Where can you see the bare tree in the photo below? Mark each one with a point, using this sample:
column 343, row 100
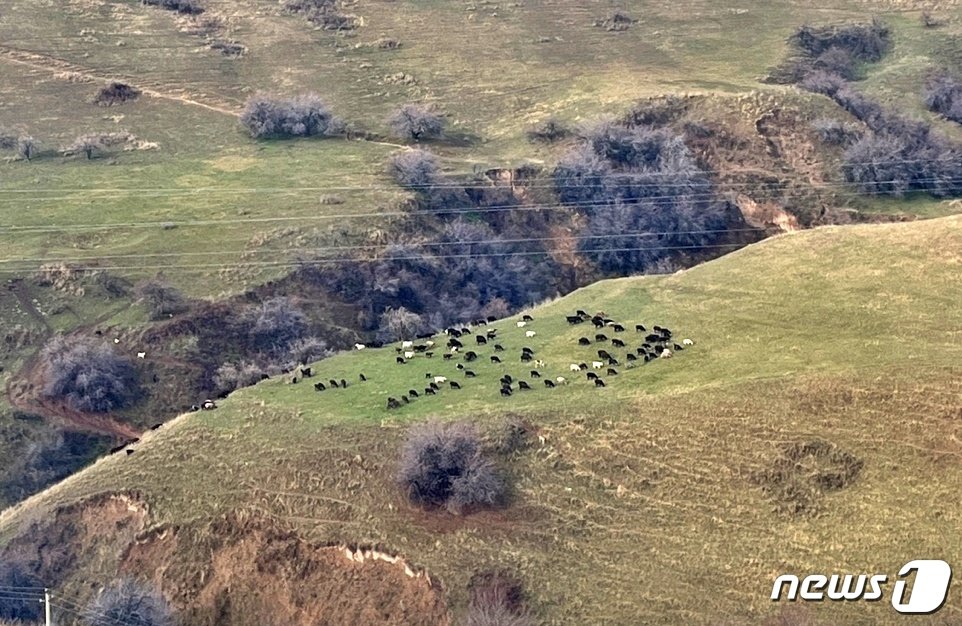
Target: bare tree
column 399, row 323
column 417, row 122
column 27, row 147
column 127, row 601
column 88, row 145
column 304, row 115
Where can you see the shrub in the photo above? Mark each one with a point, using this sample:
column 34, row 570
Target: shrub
column 497, row 599
column 306, row 115
column 87, row 145
column 232, row 376
column 443, row 465
column 398, row 324
column 14, row 575
column 943, row 95
column 90, row 377
column 835, row 132
column 116, row 93
column 581, row 176
column 864, row 42
column 275, row 325
column 8, row 139
column 187, row 7
column 308, row 349
column 161, row 299
column 127, row 601
column 549, row 130
column 825, row 83
column 416, row 122
column 27, row 147
column 415, row 169
column 837, row 61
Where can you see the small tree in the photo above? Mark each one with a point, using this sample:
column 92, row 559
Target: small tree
column 417, row 122
column 415, row 169
column 90, row 377
column 276, row 325
column 27, row 147
column 127, row 601
column 88, row 145
column 399, row 323
column 162, row 299
column 444, row 465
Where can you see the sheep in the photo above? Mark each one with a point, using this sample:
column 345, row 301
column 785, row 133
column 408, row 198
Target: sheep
column 535, row 374
column 548, row 384
column 141, row 355
column 529, row 334
column 618, row 343
column 665, row 354
column 481, row 340
column 469, row 374
column 601, row 337
column 599, row 382
column 409, row 354
column 495, row 359
column 574, row 367
column 116, row 340
column 618, row 328
column 523, row 385
column 584, row 341
column 319, row 387
column 454, row 385
column 407, row 344
column 687, row 342
column 359, row 346
column 522, row 324
column 597, row 365
column 612, row 371
column 561, row 380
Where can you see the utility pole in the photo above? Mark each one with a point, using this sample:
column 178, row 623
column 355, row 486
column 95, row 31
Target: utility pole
column 46, row 606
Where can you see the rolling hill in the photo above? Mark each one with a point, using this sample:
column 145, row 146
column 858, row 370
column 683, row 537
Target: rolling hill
column 814, row 426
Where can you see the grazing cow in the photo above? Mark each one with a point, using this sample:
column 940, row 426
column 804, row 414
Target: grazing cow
column 526, row 357
column 591, row 376
column 413, row 393
column 599, row 382
column 522, row 324
column 294, row 379
column 612, row 371
column 392, row 403
column 677, row 347
column 581, row 313
column 598, row 322
column 535, row 374
column 141, row 355
column 495, row 359
column 429, row 354
column 573, row 319
column 409, row 355
column 574, row 367
column 470, row 356
column 604, row 354
column 639, row 328
column 492, row 333
column 652, row 338
column 469, row 374
column 405, row 400
column 618, row 343
column 319, row 387
column 631, row 357
column 407, row 344
column 561, row 380
column 428, row 391
column 460, row 366
column 688, row 342
column 597, row 365
column 454, row 332
column 601, row 337
column 618, row 328
column 308, row 372
column 548, row 384
column 527, row 318
column 492, row 318
column 359, row 346
column 465, row 331
column 506, row 379
column 454, row 385
column 582, row 366
column 584, row 341
column 529, row 334
column 481, row 340
column 665, row 354
column 420, row 348
column 613, row 361
column 505, row 391
column 523, row 385
column 657, row 328
column 332, row 383
column 343, row 384
column 498, row 347
column 440, row 379
column 648, row 357
column 454, row 343
column 448, row 357
column 434, row 385
column 481, row 322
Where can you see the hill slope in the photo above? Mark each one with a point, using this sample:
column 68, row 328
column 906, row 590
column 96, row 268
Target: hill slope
column 814, row 426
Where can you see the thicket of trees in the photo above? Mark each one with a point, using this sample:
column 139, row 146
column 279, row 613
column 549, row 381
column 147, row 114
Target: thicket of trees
column 14, row 575
column 445, row 465
column 306, row 115
column 89, row 376
column 46, row 459
column 187, row 7
column 943, row 95
column 836, row 49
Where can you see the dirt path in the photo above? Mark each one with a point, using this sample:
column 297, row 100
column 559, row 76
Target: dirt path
column 59, row 66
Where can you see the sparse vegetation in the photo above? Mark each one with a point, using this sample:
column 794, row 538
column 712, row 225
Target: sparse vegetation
column 161, row 299
column 397, row 324
column 187, row 7
column 14, row 575
column 415, row 169
column 835, row 132
column 267, row 116
column 275, row 326
column 549, row 130
column 943, row 95
column 89, row 377
column 127, row 601
column 27, row 147
column 116, row 93
column 87, row 145
column 444, row 465
column 417, row 122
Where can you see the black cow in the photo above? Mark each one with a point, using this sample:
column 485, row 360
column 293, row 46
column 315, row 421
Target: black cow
column 460, row 366
column 429, row 391
column 481, row 339
column 469, row 374
column 612, row 371
column 495, row 359
column 333, row 383
column 428, row 375
column 548, row 383
column 639, row 328
column 581, row 313
column 507, row 379
column 454, row 343
column 653, row 338
column 527, row 349
column 526, row 357
column 429, row 354
column 470, row 356
column 362, row 377
column 591, row 376
column 584, row 341
column 618, row 343
column 631, row 357
column 405, row 400
column 505, row 391
column 527, row 318
column 573, row 319
column 454, row 385
column 498, row 347
column 535, row 374
column 492, row 318
column 598, row 322
column 603, row 354
column 618, row 328
column 433, row 385
column 400, row 360
column 613, row 361
column 156, row 426
column 523, row 385
column 307, row 371
column 599, row 382
column 448, row 356
column 392, row 403
column 492, row 333
column 677, row 347
column 413, row 393
column 583, row 366
column 343, row 384
column 601, row 337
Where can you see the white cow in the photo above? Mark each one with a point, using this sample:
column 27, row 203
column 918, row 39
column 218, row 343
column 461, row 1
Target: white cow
column 429, row 344
column 561, row 380
column 597, row 365
column 141, row 355
column 407, row 344
column 522, row 324
column 529, row 334
column 408, row 355
column 574, row 367
column 440, row 379
column 665, row 354
column 359, row 346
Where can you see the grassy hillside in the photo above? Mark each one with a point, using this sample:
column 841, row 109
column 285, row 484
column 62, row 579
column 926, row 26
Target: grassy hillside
column 813, row 427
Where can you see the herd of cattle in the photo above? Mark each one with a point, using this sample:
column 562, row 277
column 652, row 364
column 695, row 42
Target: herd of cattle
column 464, row 347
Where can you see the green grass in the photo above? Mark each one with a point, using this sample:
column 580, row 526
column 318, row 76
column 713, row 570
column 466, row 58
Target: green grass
column 641, row 503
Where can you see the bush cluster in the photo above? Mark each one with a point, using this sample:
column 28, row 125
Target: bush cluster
column 89, row 376
column 127, row 601
column 306, row 115
column 416, row 122
column 943, row 95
